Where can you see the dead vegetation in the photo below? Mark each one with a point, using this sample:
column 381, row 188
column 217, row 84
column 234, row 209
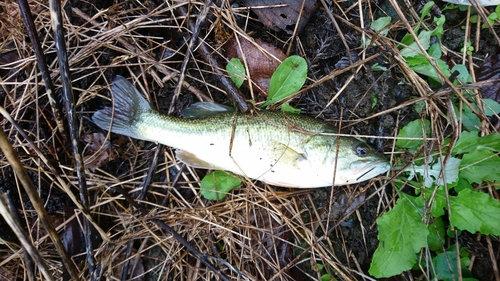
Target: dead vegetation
column 148, row 219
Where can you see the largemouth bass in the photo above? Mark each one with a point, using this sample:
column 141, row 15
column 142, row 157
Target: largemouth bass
column 286, row 150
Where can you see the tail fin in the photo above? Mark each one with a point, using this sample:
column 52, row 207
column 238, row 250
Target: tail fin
column 128, row 104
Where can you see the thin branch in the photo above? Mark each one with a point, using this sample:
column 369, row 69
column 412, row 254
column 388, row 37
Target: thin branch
column 56, row 17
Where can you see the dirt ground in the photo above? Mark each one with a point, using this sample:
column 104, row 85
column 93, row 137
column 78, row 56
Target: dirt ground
column 259, row 231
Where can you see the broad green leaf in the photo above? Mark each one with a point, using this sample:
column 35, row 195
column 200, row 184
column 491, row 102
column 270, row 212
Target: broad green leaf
column 475, row 212
column 436, row 236
column 435, row 51
column 412, row 50
column 215, row 185
column 446, row 269
column 414, row 129
column 442, row 264
column 479, row 166
column 406, row 41
column 236, row 71
column 420, row 64
column 469, row 119
column 491, row 107
column 417, row 60
column 380, row 25
column 470, row 141
column 287, row 80
column 463, row 75
column 401, row 235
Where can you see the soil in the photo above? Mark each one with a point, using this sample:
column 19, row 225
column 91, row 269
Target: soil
column 365, row 93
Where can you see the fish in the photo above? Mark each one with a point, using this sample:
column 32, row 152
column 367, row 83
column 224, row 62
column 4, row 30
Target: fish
column 280, row 149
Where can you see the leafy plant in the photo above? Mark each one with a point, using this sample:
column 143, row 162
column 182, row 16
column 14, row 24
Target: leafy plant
column 416, row 222
column 412, row 53
column 492, row 18
column 468, row 48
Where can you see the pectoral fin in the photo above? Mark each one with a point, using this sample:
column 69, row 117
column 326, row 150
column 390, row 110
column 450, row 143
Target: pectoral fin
column 284, row 154
column 193, row 161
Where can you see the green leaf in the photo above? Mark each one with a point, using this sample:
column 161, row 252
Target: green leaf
column 236, row 71
column 431, row 173
column 468, row 117
column 439, row 22
column 215, row 185
column 327, row 277
column 287, row 80
column 401, row 235
column 414, row 129
column 286, row 107
column 439, row 203
column 412, row 50
column 426, row 10
column 463, row 75
column 423, row 13
column 420, row 64
column 446, row 269
column 436, row 236
column 470, row 141
column 491, row 107
column 377, row 67
column 380, row 25
column 406, row 41
column 435, row 51
column 479, row 166
column 475, row 212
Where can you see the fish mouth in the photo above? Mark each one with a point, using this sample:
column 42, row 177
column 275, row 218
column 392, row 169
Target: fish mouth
column 372, row 170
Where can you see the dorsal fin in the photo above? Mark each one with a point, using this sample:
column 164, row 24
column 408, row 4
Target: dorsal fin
column 205, row 109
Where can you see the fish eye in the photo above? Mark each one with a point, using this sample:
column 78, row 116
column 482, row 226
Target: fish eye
column 361, row 149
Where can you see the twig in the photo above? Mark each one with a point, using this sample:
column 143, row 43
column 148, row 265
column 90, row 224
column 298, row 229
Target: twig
column 42, row 64
column 69, row 104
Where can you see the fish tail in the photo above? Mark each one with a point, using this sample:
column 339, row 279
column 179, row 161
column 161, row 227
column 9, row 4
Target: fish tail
column 128, row 105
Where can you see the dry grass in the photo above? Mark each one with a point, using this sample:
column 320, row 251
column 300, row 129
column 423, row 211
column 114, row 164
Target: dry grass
column 248, row 236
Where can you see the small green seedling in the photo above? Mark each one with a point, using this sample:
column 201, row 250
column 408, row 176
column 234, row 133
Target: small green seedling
column 215, row 185
column 236, row 71
column 287, row 80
